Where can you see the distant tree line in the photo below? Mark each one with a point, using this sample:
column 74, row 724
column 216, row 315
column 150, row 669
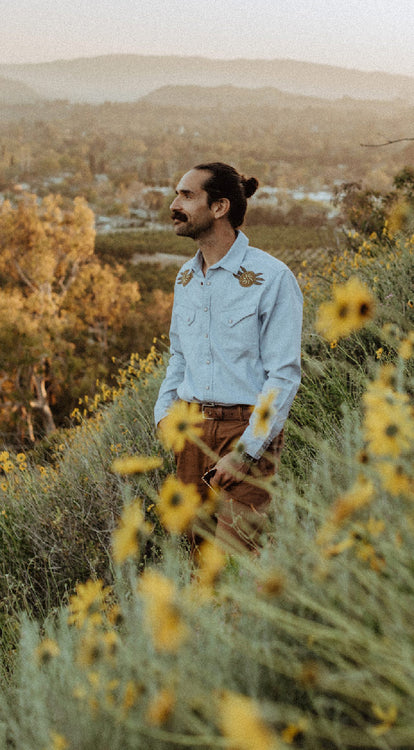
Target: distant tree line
column 139, row 144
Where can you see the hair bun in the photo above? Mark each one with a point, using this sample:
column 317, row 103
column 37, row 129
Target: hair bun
column 250, row 185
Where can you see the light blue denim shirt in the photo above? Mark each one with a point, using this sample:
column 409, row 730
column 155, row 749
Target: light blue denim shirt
column 235, row 334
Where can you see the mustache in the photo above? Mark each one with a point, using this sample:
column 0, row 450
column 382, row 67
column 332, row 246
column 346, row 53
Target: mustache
column 178, row 215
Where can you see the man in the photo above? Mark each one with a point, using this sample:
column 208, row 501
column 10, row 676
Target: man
column 235, row 341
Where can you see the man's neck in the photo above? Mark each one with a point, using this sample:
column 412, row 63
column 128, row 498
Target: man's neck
column 216, row 246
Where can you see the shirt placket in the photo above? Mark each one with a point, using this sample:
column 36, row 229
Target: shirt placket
column 207, row 357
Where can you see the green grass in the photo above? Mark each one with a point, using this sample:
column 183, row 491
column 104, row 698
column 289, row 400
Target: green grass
column 317, row 631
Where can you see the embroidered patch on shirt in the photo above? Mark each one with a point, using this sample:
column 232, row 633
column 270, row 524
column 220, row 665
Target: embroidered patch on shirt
column 248, row 278
column 185, row 277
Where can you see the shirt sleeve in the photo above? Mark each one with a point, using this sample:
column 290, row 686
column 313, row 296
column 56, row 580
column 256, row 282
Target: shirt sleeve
column 280, row 346
column 174, row 374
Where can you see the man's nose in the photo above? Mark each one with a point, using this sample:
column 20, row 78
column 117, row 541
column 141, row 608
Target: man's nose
column 174, row 203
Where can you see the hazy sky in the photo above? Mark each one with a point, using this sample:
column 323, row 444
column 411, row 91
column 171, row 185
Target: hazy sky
column 364, row 34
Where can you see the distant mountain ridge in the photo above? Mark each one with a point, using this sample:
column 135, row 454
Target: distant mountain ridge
column 122, row 78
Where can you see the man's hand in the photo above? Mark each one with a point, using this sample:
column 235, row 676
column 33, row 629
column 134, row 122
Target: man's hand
column 229, row 469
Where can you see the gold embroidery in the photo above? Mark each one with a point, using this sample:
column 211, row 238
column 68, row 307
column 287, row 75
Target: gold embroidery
column 248, row 278
column 185, row 277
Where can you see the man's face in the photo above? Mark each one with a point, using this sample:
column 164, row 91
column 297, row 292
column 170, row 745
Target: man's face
column 190, row 212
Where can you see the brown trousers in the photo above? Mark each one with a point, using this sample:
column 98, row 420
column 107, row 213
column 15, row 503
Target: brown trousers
column 241, row 510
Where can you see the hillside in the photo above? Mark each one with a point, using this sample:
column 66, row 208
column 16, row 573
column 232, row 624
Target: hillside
column 112, row 635
column 129, row 77
column 15, row 92
column 227, row 97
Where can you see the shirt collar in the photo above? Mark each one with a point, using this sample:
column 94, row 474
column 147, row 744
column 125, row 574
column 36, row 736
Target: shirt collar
column 233, row 258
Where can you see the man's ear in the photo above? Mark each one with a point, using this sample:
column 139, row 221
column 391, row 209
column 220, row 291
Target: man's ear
column 220, row 207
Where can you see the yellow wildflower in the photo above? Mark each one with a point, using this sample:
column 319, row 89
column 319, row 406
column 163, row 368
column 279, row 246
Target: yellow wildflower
column 387, row 718
column 131, row 694
column 263, row 413
column 90, row 649
column 95, row 645
column 351, row 308
column 360, row 494
column 395, row 479
column 21, row 458
column 388, row 423
column 114, row 615
column 125, row 538
column 242, row 725
column 161, row 707
column 178, row 504
column 46, row 650
column 58, row 741
column 136, row 464
column 387, row 376
column 182, row 423
column 406, row 349
column 163, row 619
column 291, row 732
column 211, row 561
column 375, row 527
column 398, row 216
column 366, row 552
column 336, row 549
column 88, row 603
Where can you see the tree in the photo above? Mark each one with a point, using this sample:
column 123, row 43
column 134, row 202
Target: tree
column 363, row 210
column 100, row 301
column 404, row 182
column 42, row 249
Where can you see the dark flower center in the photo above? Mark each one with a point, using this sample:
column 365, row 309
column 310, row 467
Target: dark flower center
column 392, row 430
column 364, row 310
column 176, row 499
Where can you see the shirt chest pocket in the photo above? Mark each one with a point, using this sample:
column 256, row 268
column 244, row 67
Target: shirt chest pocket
column 239, row 326
column 186, row 322
column 186, row 315
column 241, row 316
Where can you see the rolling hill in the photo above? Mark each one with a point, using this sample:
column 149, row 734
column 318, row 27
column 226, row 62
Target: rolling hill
column 122, row 78
column 15, row 92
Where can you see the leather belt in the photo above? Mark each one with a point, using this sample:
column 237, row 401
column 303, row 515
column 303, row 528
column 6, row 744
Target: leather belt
column 221, row 412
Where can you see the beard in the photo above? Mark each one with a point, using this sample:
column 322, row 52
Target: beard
column 193, row 229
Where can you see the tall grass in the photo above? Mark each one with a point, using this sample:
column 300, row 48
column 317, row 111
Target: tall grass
column 309, row 644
